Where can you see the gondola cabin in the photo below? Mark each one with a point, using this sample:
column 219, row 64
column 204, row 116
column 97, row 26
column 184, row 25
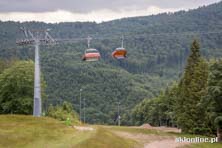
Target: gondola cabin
column 91, row 55
column 119, row 53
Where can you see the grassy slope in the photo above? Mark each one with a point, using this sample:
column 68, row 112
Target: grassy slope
column 27, row 131
column 106, row 139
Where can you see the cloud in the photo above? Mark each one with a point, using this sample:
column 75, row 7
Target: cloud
column 86, row 6
column 66, row 16
column 89, row 10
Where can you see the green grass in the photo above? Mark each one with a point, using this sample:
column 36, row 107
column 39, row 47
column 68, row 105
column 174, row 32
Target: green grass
column 22, row 131
column 27, row 131
column 103, row 138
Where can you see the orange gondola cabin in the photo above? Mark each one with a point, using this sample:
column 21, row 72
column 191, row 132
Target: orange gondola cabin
column 91, row 55
column 119, row 53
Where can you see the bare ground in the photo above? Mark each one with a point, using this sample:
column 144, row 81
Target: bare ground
column 167, row 143
column 152, row 140
column 162, row 128
column 83, row 128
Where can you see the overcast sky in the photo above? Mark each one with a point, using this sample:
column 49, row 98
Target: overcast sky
column 90, row 10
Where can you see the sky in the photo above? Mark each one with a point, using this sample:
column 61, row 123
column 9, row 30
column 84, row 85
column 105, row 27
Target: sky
column 54, row 11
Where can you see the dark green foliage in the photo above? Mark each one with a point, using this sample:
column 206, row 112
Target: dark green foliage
column 218, row 122
column 63, row 112
column 157, row 111
column 103, row 85
column 192, row 87
column 202, row 131
column 215, row 86
column 16, row 88
column 215, row 97
column 181, row 105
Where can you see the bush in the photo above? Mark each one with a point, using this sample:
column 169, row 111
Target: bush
column 218, row 122
column 63, row 112
column 16, row 88
column 202, row 131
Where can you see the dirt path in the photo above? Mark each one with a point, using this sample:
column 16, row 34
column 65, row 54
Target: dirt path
column 140, row 138
column 162, row 128
column 152, row 140
column 83, row 128
column 167, row 143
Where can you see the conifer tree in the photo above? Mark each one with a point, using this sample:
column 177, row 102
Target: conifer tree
column 215, row 96
column 192, row 88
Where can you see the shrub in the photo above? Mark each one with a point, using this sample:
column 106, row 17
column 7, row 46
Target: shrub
column 202, row 131
column 218, row 122
column 63, row 112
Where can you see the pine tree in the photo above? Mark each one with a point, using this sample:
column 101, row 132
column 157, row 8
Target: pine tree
column 192, row 88
column 215, row 96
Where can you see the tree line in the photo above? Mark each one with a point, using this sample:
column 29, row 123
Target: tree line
column 194, row 103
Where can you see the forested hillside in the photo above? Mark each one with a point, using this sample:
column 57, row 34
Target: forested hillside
column 157, row 47
column 193, row 104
